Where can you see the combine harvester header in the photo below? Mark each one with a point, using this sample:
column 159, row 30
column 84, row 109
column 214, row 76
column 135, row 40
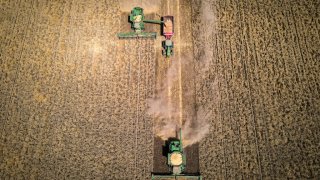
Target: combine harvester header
column 176, row 161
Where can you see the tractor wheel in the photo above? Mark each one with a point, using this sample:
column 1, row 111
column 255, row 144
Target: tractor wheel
column 163, row 52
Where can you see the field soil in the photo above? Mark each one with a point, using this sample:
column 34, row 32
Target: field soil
column 74, row 98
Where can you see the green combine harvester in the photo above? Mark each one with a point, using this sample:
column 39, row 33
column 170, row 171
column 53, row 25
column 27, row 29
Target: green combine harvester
column 176, row 161
column 137, row 21
column 136, row 18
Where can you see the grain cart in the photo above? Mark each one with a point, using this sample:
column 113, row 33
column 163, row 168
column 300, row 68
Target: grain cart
column 176, row 161
column 137, row 21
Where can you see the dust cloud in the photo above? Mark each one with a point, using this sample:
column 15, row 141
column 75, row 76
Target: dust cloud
column 194, row 130
column 149, row 6
column 207, row 24
column 167, row 114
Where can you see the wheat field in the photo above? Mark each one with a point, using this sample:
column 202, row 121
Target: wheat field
column 74, row 98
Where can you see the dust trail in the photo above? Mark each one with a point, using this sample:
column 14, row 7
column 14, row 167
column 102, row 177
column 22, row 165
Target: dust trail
column 169, row 93
column 149, row 6
column 168, row 115
column 208, row 25
column 198, row 127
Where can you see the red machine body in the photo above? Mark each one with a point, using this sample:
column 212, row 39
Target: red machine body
column 168, row 27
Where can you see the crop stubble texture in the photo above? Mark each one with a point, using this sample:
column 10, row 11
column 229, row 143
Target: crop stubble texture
column 73, row 97
column 262, row 89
